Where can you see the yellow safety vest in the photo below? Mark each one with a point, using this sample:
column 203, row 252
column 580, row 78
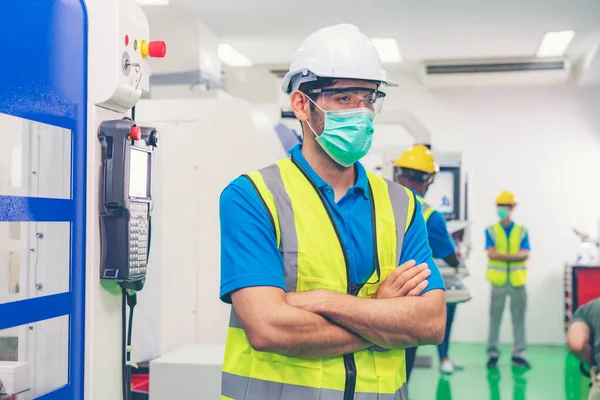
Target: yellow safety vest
column 308, row 240
column 500, row 272
column 426, row 209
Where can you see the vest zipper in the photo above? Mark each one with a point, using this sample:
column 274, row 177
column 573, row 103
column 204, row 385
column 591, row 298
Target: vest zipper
column 374, row 234
column 349, row 362
column 357, row 287
column 507, row 252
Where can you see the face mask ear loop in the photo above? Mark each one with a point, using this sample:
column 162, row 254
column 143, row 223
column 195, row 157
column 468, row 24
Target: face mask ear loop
column 316, row 105
column 308, row 123
column 311, row 128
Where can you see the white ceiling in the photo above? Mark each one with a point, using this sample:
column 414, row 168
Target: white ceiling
column 268, row 31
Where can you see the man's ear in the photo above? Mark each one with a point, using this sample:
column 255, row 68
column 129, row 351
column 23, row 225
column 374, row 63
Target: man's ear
column 300, row 105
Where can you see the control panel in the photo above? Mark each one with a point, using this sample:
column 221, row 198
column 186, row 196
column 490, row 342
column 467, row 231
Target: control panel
column 119, row 65
column 127, row 201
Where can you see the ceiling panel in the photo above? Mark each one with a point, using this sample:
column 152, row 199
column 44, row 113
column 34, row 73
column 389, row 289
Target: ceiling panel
column 268, row 31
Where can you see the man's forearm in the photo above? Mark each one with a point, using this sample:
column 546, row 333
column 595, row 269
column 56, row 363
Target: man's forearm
column 521, row 256
column 390, row 323
column 302, row 334
column 585, row 356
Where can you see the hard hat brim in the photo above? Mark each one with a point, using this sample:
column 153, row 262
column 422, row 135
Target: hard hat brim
column 286, row 84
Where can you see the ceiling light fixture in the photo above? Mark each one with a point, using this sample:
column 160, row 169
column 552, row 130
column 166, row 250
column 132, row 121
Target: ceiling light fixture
column 230, row 56
column 153, row 2
column 554, row 44
column 388, row 50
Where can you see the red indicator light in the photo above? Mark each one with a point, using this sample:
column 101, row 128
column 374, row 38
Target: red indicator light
column 126, row 40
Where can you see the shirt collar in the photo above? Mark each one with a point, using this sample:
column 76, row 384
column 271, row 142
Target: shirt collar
column 509, row 226
column 361, row 184
column 417, row 193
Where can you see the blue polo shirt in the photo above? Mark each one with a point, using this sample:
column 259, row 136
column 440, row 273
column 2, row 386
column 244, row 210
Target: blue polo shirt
column 489, row 242
column 249, row 252
column 440, row 241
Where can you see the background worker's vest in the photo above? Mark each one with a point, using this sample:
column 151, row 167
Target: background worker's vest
column 499, row 272
column 426, row 209
column 314, row 258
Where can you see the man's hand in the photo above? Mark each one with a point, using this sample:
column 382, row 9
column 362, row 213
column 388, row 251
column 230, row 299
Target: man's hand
column 406, row 280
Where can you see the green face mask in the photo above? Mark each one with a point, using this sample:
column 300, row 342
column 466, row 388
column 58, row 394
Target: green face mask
column 347, row 134
column 502, row 213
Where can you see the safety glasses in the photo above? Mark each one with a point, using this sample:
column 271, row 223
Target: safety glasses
column 350, row 97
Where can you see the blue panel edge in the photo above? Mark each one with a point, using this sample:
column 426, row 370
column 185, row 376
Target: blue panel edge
column 78, row 232
column 62, row 393
column 24, row 209
column 36, row 309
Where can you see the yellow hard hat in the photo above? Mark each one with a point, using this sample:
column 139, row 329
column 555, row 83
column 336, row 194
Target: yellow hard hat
column 505, row 198
column 418, row 158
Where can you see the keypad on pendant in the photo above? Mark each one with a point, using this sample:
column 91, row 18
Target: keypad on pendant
column 138, row 238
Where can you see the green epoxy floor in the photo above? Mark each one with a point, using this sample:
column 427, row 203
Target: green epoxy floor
column 555, row 376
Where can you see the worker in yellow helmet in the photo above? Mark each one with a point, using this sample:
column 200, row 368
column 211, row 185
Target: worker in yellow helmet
column 416, row 169
column 508, row 248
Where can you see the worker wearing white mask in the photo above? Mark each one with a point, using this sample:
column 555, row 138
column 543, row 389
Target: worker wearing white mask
column 508, row 248
column 327, row 266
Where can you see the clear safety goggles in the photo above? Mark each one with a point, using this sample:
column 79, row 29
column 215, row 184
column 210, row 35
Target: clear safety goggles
column 350, row 97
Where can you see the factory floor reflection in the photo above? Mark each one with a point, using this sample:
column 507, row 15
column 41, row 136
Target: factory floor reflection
column 555, row 376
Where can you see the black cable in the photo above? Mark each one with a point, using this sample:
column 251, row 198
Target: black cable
column 129, row 332
column 124, row 341
column 133, row 113
column 131, row 302
column 584, row 370
column 129, row 299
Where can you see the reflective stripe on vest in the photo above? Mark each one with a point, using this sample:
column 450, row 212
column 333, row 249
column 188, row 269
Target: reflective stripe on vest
column 308, row 239
column 499, row 272
column 426, row 209
column 240, row 387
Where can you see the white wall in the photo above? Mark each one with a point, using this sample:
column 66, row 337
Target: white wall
column 541, row 143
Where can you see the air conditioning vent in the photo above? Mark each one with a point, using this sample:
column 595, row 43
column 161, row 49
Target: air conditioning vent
column 496, row 67
column 437, row 74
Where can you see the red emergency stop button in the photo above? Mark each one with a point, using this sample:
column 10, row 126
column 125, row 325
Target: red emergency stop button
column 136, row 133
column 157, row 49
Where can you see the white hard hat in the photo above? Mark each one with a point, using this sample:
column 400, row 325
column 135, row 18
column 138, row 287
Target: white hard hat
column 340, row 51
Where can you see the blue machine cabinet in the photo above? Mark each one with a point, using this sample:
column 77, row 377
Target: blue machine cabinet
column 43, row 78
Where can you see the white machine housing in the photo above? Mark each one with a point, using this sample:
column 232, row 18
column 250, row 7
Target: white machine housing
column 124, row 26
column 14, row 377
column 111, row 93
